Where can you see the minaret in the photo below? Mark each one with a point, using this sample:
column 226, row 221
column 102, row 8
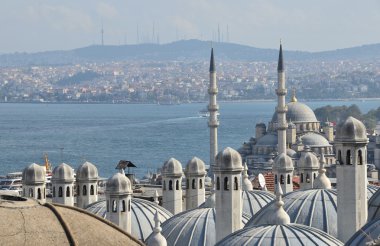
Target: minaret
column 172, row 186
column 156, row 239
column 351, row 171
column 87, row 184
column 281, row 106
column 34, row 182
column 63, row 184
column 228, row 194
column 195, row 179
column 213, row 108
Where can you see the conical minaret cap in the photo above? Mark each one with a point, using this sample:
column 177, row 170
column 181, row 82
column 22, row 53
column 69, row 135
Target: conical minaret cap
column 280, row 65
column 279, row 216
column 322, row 181
column 212, row 62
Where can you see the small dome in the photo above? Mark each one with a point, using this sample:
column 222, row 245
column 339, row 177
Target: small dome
column 25, row 221
column 195, row 167
column 191, row 227
column 119, row 183
column 33, row 175
column 313, row 139
column 298, row 112
column 63, row 173
column 282, row 161
column 172, row 167
column 228, row 160
column 87, row 172
column 269, row 139
column 367, row 235
column 289, row 234
column 143, row 212
column 308, row 160
column 351, row 130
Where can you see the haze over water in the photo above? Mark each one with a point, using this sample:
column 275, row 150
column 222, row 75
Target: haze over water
column 145, row 134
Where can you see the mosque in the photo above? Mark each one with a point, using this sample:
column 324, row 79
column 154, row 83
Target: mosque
column 234, row 213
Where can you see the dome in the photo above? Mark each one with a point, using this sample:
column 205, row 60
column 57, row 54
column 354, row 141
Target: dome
column 33, row 174
column 291, row 153
column 25, row 221
column 195, row 167
column 351, row 130
column 119, row 183
column 313, row 139
column 283, row 161
column 289, row 234
column 298, row 112
column 308, row 160
column 315, row 207
column 87, row 172
column 63, row 173
column 143, row 212
column 255, row 200
column 367, row 235
column 192, row 227
column 373, row 202
column 269, row 139
column 228, row 160
column 172, row 167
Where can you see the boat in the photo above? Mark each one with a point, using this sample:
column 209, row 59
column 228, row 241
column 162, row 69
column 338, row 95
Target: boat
column 11, row 184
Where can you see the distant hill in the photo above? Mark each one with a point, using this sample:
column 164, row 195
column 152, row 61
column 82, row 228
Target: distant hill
column 180, row 50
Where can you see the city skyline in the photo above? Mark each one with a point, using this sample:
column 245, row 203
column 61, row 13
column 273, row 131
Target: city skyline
column 308, row 26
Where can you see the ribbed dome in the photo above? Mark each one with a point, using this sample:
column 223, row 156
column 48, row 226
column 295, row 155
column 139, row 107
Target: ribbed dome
column 373, row 203
column 63, row 173
column 351, row 130
column 372, row 189
column 26, row 222
column 255, row 200
column 119, row 184
column 269, row 139
column 172, row 167
column 367, row 235
column 313, row 139
column 289, row 234
column 33, row 175
column 282, row 161
column 195, row 167
column 143, row 212
column 308, row 160
column 298, row 112
column 192, row 227
column 87, row 171
column 228, row 160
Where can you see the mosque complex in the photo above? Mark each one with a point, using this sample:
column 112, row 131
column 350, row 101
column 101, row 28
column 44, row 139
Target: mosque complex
column 319, row 172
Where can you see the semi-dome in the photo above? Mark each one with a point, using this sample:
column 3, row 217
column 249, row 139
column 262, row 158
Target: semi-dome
column 143, row 212
column 87, row 171
column 269, row 139
column 255, row 200
column 282, row 161
column 172, row 167
column 25, row 221
column 298, row 112
column 313, row 139
column 288, row 234
column 33, row 174
column 308, row 160
column 369, row 234
column 351, row 130
column 195, row 167
column 119, row 183
column 228, row 160
column 63, row 173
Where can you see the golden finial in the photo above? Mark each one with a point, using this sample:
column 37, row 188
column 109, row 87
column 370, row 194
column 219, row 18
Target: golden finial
column 294, row 99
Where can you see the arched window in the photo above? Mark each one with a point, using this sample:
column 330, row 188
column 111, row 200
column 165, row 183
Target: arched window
column 54, row 191
column 340, row 157
column 164, row 185
column 314, row 176
column 307, row 178
column 226, row 184
column 60, row 191
column 282, row 181
column 78, row 190
column 187, row 184
column 200, row 184
column 123, row 206
column 177, row 185
column 236, row 184
column 348, row 157
column 129, row 205
column 217, row 183
column 170, row 184
column 275, row 179
column 114, row 206
column 30, row 192
column 68, row 191
column 38, row 193
column 193, row 184
column 288, row 179
column 92, row 192
column 301, row 177
column 84, row 190
column 360, row 157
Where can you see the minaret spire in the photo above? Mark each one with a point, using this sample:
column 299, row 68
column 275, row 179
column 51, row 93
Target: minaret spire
column 280, row 65
column 213, row 108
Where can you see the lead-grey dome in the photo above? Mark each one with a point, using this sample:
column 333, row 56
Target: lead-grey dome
column 195, row 167
column 371, row 190
column 351, row 130
column 308, row 160
column 313, row 139
column 143, row 212
column 119, row 184
column 172, row 167
column 63, row 173
column 282, row 161
column 269, row 139
column 87, row 172
column 298, row 112
column 228, row 160
column 373, row 203
column 289, row 234
column 255, row 200
column 33, row 175
column 369, row 234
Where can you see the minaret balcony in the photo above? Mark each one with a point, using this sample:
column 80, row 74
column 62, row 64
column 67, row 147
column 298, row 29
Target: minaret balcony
column 213, row 123
column 282, row 126
column 213, row 107
column 281, row 92
column 282, row 110
column 213, row 91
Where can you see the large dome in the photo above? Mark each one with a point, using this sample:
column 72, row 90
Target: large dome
column 27, row 222
column 142, row 215
column 368, row 235
column 289, row 234
column 298, row 112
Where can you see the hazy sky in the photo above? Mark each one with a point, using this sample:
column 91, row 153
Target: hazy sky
column 310, row 25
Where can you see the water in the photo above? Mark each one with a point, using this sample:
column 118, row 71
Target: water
column 103, row 134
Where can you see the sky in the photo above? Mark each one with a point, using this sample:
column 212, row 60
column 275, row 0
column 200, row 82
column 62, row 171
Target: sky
column 307, row 25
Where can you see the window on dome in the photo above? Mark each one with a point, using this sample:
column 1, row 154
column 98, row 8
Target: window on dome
column 187, row 184
column 315, row 176
column 301, row 177
column 129, row 205
column 92, row 192
column 38, row 193
column 226, row 184
column 68, row 191
column 78, row 190
column 200, row 184
column 114, row 206
column 123, row 206
column 53, row 191
column 44, row 192
column 30, row 192
column 164, row 185
column 170, row 185
column 84, row 190
column 108, row 206
column 340, row 157
column 282, row 181
column 60, row 192
column 275, row 179
column 288, row 179
column 193, row 184
column 307, row 178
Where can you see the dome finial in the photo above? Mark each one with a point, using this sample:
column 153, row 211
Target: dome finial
column 247, row 185
column 156, row 239
column 322, row 181
column 293, row 99
column 155, row 197
column 279, row 217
